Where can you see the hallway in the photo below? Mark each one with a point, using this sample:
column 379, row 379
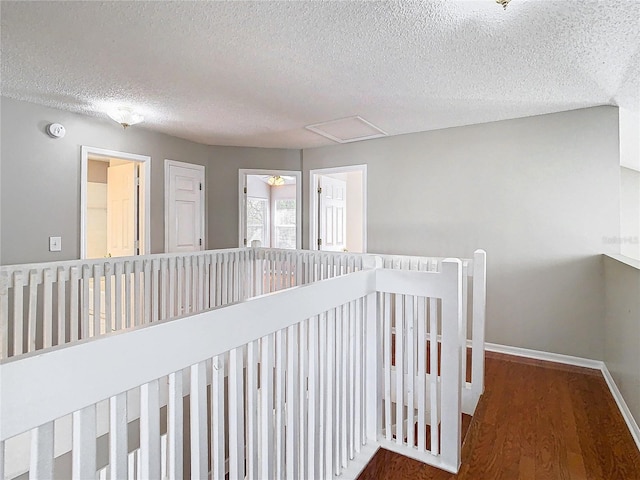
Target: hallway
column 536, row 421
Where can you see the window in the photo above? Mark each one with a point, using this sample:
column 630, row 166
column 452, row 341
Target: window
column 257, row 221
column 285, row 223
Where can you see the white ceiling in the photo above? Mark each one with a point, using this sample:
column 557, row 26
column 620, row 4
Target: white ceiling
column 255, row 73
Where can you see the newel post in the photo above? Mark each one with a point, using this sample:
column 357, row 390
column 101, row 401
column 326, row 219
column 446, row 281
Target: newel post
column 373, row 357
column 451, row 369
column 479, row 312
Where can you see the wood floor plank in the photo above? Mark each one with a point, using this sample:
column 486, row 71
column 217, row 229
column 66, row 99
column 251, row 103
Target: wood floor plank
column 536, row 420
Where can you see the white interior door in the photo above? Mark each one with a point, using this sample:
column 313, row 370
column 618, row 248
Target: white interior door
column 185, row 207
column 122, row 210
column 332, row 203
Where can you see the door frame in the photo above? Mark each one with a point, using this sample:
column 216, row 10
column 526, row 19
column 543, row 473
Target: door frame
column 242, row 176
column 194, row 166
column 313, row 200
column 144, row 203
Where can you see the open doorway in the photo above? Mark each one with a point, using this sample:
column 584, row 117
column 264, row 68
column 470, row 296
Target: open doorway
column 338, row 209
column 270, row 208
column 114, row 203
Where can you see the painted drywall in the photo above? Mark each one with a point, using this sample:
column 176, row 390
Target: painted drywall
column 622, row 330
column 629, row 238
column 630, row 138
column 41, row 178
column 539, row 194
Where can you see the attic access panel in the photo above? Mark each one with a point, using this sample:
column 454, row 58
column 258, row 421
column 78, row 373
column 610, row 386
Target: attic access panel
column 345, row 130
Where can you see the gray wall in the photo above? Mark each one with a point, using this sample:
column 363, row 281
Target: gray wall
column 630, row 212
column 539, row 194
column 622, row 331
column 40, row 191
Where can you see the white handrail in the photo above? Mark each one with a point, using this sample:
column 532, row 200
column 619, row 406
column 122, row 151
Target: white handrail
column 69, row 377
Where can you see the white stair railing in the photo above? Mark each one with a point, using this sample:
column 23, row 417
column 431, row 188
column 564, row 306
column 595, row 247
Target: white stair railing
column 304, row 395
column 47, row 304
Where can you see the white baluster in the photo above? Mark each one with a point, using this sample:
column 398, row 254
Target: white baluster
column 181, row 269
column 155, row 290
column 96, row 300
column 315, row 430
column 150, row 430
column 253, row 451
column 62, row 300
column 41, row 464
column 279, row 402
column 47, row 311
column 119, row 272
column 266, row 407
column 108, row 298
column 165, row 291
column 85, row 300
column 74, row 334
column 236, row 414
column 33, row 310
column 4, row 317
column 137, row 293
column 218, row 434
column 128, row 294
column 422, row 371
column 303, row 369
column 147, row 282
column 83, row 454
column 399, row 354
column 386, row 308
column 433, row 374
column 198, row 420
column 409, row 388
column 118, row 444
column 174, row 426
column 173, row 287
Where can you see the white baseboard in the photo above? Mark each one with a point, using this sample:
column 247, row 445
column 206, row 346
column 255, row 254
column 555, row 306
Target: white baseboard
column 546, row 356
column 622, row 405
column 579, row 362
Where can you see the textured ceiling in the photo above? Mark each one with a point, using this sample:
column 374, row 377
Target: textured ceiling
column 255, row 73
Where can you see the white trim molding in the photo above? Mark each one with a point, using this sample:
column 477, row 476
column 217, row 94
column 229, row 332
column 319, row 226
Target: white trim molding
column 632, row 262
column 622, row 405
column 578, row 362
column 546, row 356
column 145, row 183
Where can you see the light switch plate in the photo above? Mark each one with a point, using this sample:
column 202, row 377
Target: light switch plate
column 55, row 244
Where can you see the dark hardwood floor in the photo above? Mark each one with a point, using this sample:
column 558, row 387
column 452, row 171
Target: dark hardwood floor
column 536, row 421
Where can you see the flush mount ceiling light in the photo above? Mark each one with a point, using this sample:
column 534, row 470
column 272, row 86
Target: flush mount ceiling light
column 275, row 180
column 345, row 130
column 125, row 116
column 504, row 3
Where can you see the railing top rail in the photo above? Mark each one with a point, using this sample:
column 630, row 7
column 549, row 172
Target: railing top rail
column 8, row 269
column 101, row 261
column 69, row 377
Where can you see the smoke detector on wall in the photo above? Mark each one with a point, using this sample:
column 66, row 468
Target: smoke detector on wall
column 56, row 130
